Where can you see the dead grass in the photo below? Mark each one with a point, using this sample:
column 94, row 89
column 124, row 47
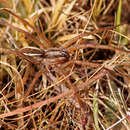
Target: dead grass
column 90, row 90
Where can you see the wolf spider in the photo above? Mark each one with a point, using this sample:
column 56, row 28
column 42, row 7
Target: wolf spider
column 58, row 59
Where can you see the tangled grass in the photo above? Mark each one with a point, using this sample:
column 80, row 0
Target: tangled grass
column 90, row 90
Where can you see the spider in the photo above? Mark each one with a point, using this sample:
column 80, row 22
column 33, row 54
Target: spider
column 58, row 58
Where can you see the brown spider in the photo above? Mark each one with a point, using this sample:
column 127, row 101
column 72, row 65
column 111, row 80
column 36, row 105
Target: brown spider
column 58, row 56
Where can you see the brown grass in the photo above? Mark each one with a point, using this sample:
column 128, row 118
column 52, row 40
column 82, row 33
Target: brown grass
column 87, row 90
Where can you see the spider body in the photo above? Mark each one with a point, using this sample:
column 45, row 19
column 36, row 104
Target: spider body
column 48, row 56
column 54, row 56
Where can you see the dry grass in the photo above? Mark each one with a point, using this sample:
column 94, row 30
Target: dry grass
column 89, row 90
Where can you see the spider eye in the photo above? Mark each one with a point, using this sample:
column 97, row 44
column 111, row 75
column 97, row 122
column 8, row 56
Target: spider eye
column 64, row 54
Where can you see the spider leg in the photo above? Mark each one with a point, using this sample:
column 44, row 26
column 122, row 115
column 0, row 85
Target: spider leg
column 80, row 36
column 96, row 46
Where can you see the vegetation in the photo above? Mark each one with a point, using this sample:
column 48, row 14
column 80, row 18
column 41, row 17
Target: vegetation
column 64, row 64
